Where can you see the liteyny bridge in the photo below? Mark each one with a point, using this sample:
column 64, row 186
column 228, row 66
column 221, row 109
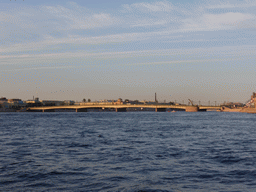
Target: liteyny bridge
column 122, row 107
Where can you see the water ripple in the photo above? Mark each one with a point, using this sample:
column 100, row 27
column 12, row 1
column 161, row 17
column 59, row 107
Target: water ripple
column 127, row 152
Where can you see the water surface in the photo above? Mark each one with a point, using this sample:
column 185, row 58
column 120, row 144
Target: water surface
column 143, row 151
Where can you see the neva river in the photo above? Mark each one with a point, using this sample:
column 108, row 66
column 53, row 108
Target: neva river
column 132, row 151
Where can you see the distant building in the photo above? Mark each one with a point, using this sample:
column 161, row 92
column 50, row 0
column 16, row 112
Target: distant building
column 233, row 104
column 51, row 102
column 143, row 101
column 4, row 102
column 253, row 98
column 69, row 102
column 135, row 102
column 118, row 102
column 33, row 103
column 3, row 99
column 11, row 103
column 16, row 103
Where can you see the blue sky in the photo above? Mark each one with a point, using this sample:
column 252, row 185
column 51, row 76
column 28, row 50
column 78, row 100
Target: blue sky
column 198, row 50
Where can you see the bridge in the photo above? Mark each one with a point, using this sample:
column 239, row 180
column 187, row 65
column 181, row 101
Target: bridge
column 123, row 107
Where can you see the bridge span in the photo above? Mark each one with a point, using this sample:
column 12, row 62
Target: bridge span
column 122, row 107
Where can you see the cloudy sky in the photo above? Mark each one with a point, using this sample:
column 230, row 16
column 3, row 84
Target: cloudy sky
column 98, row 49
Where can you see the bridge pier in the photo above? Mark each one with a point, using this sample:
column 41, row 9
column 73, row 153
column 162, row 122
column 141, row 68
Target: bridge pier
column 81, row 110
column 160, row 109
column 192, row 109
column 120, row 109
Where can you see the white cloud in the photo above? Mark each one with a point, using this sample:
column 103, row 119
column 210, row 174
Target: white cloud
column 148, row 22
column 235, row 4
column 159, row 13
column 207, row 22
column 55, row 25
column 161, row 6
column 230, row 51
column 230, row 19
column 75, row 40
column 218, row 21
column 80, row 18
column 186, row 17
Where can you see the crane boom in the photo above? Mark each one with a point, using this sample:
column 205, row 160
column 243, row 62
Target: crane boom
column 191, row 102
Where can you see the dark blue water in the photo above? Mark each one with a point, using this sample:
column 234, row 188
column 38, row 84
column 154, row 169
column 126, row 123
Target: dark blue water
column 129, row 151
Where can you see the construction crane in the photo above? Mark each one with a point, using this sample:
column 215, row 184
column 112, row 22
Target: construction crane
column 191, row 102
column 249, row 103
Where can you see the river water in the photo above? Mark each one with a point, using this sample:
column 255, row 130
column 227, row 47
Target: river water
column 132, row 151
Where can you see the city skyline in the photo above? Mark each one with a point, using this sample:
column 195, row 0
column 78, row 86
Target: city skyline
column 70, row 50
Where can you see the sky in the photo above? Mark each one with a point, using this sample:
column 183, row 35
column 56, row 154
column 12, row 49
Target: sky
column 71, row 50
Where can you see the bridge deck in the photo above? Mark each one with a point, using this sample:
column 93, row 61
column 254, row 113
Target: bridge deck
column 100, row 106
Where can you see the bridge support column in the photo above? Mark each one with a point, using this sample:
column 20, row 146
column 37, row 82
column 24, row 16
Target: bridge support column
column 192, row 109
column 160, row 110
column 81, row 110
column 120, row 109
